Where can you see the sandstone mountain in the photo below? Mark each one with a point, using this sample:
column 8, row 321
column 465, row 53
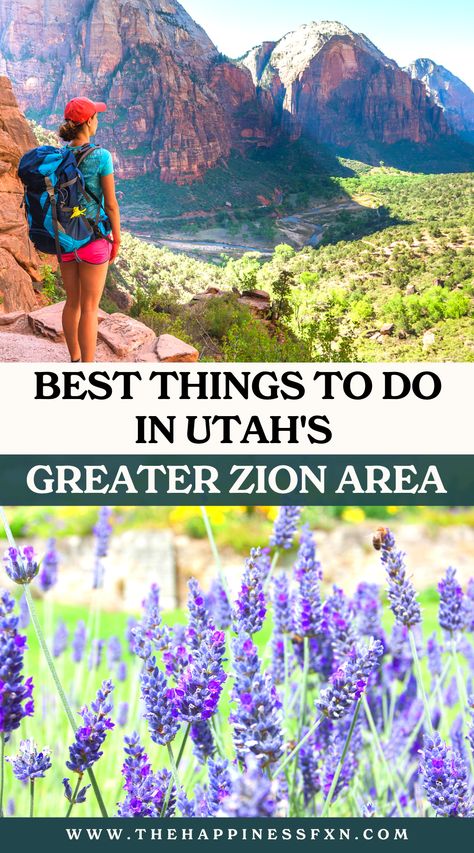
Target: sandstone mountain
column 337, row 87
column 174, row 104
column 19, row 262
column 449, row 92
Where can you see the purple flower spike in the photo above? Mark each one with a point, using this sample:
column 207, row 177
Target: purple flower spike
column 15, row 691
column 250, row 608
column 160, row 706
column 203, row 740
column 200, row 684
column 252, row 794
column 102, row 531
column 452, row 612
column 199, row 619
column 219, row 784
column 349, row 682
column 48, row 576
column 30, row 764
column 122, row 714
column 285, row 526
column 433, row 653
column 401, row 592
column 114, row 652
column 150, row 634
column 445, row 779
column 21, row 565
column 25, row 618
column 86, row 749
column 256, row 718
column 60, row 640
column 79, row 642
column 146, row 791
column 219, row 605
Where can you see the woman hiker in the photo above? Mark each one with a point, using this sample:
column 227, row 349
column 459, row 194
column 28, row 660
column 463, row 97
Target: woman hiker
column 84, row 271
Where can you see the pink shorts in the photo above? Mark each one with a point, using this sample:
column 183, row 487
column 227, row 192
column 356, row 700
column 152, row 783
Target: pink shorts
column 97, row 252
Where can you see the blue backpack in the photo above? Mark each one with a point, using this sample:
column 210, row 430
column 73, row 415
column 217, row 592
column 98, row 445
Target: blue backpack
column 54, row 192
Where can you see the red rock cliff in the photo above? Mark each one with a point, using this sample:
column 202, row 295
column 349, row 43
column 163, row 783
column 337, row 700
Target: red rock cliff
column 337, row 87
column 169, row 104
column 19, row 263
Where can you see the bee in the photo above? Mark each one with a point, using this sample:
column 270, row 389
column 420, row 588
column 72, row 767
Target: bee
column 378, row 537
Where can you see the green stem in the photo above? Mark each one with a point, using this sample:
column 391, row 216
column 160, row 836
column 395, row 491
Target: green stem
column 289, row 758
column 73, row 798
column 375, row 735
column 32, row 797
column 419, row 678
column 304, row 692
column 335, row 780
column 2, row 770
column 59, row 688
column 215, row 551
column 273, row 566
column 174, row 769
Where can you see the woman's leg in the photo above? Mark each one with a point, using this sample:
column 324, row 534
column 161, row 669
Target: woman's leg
column 72, row 307
column 92, row 278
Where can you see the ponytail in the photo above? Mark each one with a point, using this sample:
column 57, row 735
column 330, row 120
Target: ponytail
column 69, row 130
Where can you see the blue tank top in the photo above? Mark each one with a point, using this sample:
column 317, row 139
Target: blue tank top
column 95, row 166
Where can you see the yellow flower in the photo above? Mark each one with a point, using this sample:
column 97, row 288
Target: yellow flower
column 393, row 510
column 353, row 514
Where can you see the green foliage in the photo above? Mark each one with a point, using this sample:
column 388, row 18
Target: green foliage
column 51, row 284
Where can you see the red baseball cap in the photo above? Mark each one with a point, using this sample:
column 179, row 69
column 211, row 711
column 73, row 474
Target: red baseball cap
column 81, row 109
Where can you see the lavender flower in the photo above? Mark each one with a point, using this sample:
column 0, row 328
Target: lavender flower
column 60, row 640
column 401, row 592
column 203, row 740
column 132, row 623
column 122, row 714
column 161, row 710
column 95, row 656
column 250, row 606
column 114, row 652
column 10, row 807
column 219, row 605
column 102, row 531
column 252, row 794
column 15, row 691
column 199, row 619
column 200, row 684
column 338, row 624
column 451, row 605
column 24, row 619
column 30, row 764
column 146, row 792
column 48, row 576
column 150, row 634
column 86, row 749
column 79, row 640
column 80, row 797
column 308, row 615
column 21, row 565
column 121, row 672
column 176, row 657
column 285, row 526
column 349, row 682
column 256, row 718
column 433, row 652
column 219, row 784
column 445, row 779
column 368, row 610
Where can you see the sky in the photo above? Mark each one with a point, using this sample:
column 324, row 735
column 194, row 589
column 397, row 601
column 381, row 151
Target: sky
column 402, row 29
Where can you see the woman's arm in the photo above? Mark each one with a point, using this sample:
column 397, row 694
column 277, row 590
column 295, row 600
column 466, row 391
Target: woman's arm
column 112, row 210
